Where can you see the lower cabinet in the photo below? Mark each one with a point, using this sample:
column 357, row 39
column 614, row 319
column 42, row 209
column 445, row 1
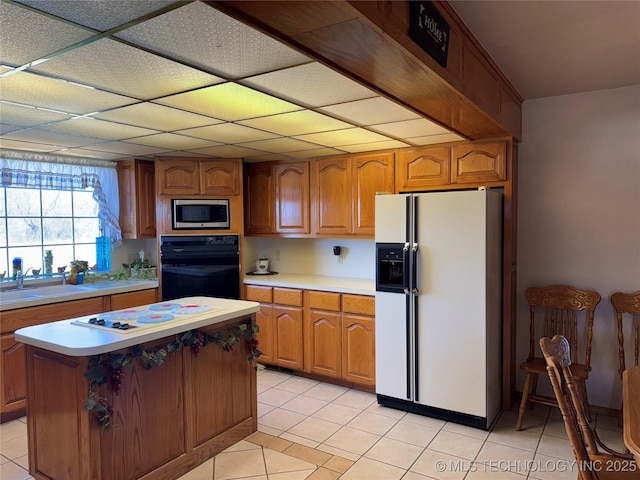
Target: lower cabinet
column 13, row 389
column 324, row 333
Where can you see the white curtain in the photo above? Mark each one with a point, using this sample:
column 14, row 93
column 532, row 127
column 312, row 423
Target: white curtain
column 26, row 169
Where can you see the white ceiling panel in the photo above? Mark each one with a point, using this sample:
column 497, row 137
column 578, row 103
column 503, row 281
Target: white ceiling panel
column 36, row 135
column 157, row 117
column 315, row 152
column 100, row 15
column 370, row 111
column 349, row 136
column 229, row 102
column 32, row 147
column 28, row 36
column 410, row 128
column 368, row 147
column 281, row 145
column 269, row 157
column 433, row 139
column 180, row 153
column 127, row 149
column 229, row 151
column 228, row 133
column 91, row 127
column 84, row 153
column 296, row 123
column 24, row 116
column 6, row 128
column 172, row 141
column 126, row 70
column 311, row 85
column 30, row 89
column 222, row 45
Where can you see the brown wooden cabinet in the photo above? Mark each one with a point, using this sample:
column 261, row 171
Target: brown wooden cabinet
column 343, row 192
column 358, row 349
column 277, row 198
column 12, row 361
column 186, row 176
column 136, row 181
column 476, row 163
column 324, row 334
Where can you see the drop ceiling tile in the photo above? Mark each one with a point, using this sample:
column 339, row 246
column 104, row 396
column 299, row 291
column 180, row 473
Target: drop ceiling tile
column 270, row 157
column 229, row 151
column 85, row 153
column 410, row 128
column 228, row 101
column 36, row 135
column 30, row 89
column 432, row 139
column 5, row 128
column 32, row 147
column 311, row 85
column 228, row 133
column 90, row 127
column 280, row 145
column 126, row 70
column 370, row 147
column 100, row 15
column 370, row 111
column 349, row 136
column 157, row 117
column 172, row 141
column 180, row 153
column 127, row 149
column 202, row 36
column 315, row 152
column 28, row 116
column 28, row 36
column 296, row 123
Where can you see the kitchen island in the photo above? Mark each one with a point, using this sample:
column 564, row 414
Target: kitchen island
column 163, row 421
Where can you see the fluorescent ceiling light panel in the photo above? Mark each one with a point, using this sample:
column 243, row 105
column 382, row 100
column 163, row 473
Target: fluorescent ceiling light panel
column 172, row 141
column 296, row 123
column 84, row 153
column 28, row 36
column 228, row 133
column 410, row 128
column 349, row 136
column 52, row 138
column 370, row 111
column 31, row 147
column 369, row 147
column 200, row 35
column 281, row 145
column 229, row 102
column 157, row 117
column 127, row 149
column 90, row 127
column 433, row 139
column 30, row 89
column 28, row 117
column 126, row 70
column 312, row 85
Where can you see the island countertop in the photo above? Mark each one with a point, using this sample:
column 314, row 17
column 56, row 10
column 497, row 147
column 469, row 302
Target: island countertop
column 69, row 338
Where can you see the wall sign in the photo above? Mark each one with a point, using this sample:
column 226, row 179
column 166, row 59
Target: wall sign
column 429, row 30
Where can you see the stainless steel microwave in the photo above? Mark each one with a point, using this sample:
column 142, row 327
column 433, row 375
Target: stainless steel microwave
column 200, row 214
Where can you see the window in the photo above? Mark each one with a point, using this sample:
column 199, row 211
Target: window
column 35, row 220
column 60, row 207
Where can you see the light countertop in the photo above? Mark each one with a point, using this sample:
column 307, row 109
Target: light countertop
column 70, row 338
column 358, row 286
column 33, row 294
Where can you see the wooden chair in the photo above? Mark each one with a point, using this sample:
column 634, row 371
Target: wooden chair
column 565, row 311
column 591, row 463
column 627, row 304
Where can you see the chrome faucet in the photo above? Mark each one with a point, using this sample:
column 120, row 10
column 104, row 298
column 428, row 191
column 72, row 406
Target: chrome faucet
column 20, row 277
column 64, row 278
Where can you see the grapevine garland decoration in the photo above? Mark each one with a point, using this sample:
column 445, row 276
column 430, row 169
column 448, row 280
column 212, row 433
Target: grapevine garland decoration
column 108, row 367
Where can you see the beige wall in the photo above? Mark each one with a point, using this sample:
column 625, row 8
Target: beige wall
column 579, row 211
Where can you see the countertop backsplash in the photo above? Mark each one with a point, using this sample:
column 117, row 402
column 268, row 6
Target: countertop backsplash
column 313, row 256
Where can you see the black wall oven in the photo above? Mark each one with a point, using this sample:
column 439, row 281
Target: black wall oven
column 200, row 265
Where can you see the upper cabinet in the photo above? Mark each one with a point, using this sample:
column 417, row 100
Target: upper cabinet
column 344, row 189
column 184, row 176
column 277, row 198
column 136, row 180
column 447, row 165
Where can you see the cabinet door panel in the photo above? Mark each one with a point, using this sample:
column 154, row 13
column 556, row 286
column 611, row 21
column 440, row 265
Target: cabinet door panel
column 259, row 200
column 264, row 320
column 325, row 343
column 292, row 198
column 358, row 349
column 288, row 336
column 333, row 196
column 479, row 162
column 421, row 167
column 13, row 374
column 219, row 177
column 146, row 199
column 178, row 176
column 372, row 173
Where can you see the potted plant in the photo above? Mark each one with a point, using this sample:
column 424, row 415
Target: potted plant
column 140, row 269
column 78, row 269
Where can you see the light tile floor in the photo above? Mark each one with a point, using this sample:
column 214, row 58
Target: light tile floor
column 318, row 431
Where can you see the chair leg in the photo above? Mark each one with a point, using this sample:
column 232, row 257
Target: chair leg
column 524, row 401
column 534, row 388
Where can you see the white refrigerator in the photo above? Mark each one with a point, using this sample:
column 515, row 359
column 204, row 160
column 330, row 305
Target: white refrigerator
column 439, row 304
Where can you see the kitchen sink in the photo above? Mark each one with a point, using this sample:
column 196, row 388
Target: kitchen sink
column 16, row 295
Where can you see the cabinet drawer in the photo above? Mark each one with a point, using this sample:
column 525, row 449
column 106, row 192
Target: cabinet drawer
column 259, row 294
column 287, row 296
column 324, row 300
column 363, row 304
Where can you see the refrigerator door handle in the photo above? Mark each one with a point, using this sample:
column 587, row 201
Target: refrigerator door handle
column 414, row 269
column 408, row 359
column 416, row 353
column 405, row 269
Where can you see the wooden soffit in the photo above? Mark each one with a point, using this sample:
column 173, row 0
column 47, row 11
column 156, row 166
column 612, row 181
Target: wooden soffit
column 369, row 42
